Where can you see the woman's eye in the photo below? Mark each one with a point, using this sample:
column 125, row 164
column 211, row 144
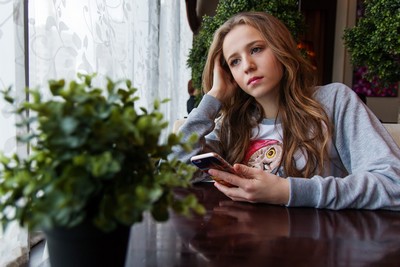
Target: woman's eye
column 255, row 50
column 234, row 62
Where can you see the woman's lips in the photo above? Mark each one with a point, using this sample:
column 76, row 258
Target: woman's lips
column 253, row 80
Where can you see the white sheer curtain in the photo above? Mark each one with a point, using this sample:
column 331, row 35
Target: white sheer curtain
column 13, row 241
column 145, row 41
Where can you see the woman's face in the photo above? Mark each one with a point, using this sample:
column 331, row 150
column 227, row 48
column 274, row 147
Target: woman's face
column 252, row 63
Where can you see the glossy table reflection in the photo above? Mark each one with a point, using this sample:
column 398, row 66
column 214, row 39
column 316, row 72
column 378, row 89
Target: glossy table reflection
column 241, row 234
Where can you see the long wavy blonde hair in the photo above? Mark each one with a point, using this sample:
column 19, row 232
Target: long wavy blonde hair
column 305, row 124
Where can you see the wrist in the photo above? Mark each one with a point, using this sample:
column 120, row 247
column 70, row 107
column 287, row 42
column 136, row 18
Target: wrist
column 214, row 93
column 217, row 93
column 284, row 192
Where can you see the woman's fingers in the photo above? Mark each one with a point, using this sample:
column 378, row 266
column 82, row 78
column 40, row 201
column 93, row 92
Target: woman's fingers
column 253, row 185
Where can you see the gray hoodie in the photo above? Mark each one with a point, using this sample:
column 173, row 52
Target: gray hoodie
column 364, row 168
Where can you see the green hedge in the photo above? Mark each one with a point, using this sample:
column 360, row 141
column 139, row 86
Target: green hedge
column 375, row 41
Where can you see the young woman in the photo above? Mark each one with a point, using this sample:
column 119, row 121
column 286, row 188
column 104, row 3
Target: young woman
column 291, row 142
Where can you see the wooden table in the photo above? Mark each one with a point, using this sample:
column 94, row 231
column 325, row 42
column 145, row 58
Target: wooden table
column 240, row 234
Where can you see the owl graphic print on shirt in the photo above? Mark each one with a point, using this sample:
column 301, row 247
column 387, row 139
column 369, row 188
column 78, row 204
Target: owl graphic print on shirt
column 265, row 155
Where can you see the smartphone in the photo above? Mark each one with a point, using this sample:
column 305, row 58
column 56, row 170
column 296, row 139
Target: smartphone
column 212, row 160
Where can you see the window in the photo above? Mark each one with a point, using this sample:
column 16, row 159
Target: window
column 145, row 41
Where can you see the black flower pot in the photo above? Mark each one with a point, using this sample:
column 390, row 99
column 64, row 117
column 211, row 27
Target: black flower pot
column 85, row 246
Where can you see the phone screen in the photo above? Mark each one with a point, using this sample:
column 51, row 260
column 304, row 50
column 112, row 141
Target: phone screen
column 211, row 161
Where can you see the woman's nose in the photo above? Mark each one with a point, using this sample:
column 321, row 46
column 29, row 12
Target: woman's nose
column 249, row 64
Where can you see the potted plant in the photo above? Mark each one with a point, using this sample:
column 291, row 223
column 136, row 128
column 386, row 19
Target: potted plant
column 373, row 43
column 96, row 164
column 287, row 11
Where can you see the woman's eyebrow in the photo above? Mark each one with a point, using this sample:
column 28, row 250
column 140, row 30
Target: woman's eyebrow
column 250, row 44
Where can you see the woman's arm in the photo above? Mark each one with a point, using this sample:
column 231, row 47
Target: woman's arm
column 367, row 152
column 201, row 121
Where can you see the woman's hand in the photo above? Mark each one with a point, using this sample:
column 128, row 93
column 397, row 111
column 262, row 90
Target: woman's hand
column 253, row 185
column 224, row 86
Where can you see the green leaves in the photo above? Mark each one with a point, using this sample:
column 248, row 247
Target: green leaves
column 374, row 42
column 94, row 155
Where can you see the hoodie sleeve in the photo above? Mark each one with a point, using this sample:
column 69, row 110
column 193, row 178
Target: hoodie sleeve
column 368, row 153
column 201, row 121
